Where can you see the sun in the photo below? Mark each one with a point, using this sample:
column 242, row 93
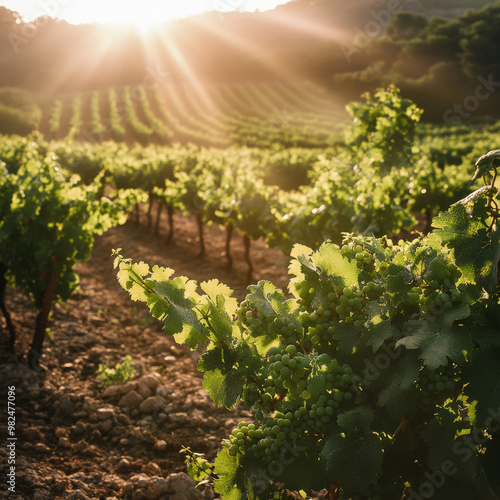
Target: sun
column 144, row 15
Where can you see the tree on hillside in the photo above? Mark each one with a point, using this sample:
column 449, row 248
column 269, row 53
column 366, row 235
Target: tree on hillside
column 480, row 43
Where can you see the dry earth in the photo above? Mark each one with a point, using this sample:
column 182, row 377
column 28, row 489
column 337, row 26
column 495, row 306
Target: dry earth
column 77, row 442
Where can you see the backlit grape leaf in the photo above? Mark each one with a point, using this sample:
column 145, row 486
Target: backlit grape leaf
column 230, row 483
column 476, row 252
column 225, row 388
column 334, row 264
column 486, row 163
column 176, row 311
column 221, row 295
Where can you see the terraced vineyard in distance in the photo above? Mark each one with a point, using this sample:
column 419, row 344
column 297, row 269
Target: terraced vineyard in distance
column 257, row 114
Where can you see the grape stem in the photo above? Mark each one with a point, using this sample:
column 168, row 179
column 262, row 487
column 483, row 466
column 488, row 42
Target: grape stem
column 333, row 494
column 457, row 394
column 405, row 425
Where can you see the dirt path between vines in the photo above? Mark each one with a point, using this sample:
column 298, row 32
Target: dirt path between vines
column 73, row 442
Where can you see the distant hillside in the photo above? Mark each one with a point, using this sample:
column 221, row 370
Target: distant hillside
column 349, row 47
column 260, row 115
column 300, row 38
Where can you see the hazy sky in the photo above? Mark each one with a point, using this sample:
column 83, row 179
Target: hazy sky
column 139, row 12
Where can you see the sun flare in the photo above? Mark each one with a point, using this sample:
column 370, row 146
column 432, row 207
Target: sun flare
column 143, row 15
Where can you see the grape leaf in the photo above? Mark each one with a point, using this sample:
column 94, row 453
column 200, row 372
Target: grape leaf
column 316, row 382
column 484, row 384
column 399, row 280
column 379, row 329
column 298, row 466
column 221, row 324
column 295, row 266
column 395, row 383
column 265, row 297
column 230, row 484
column 360, row 418
column 454, row 454
column 225, row 388
column 334, row 264
column 349, row 338
column 218, row 358
column 161, row 273
column 486, row 163
column 475, row 251
column 171, row 305
column 221, row 295
column 437, row 339
column 353, row 461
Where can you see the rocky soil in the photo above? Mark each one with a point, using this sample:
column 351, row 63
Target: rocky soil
column 78, row 442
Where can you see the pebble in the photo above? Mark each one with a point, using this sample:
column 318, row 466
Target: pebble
column 124, row 465
column 32, row 434
column 159, row 347
column 152, row 380
column 164, row 391
column 142, row 480
column 113, row 391
column 106, row 426
column 64, row 442
column 213, row 423
column 130, row 400
column 66, row 407
column 152, row 469
column 79, row 428
column 96, row 435
column 144, row 390
column 78, row 495
column 152, row 404
column 178, row 418
column 79, row 415
column 177, row 486
column 41, row 448
column 81, row 445
column 41, row 495
column 105, row 413
column 130, row 386
column 140, row 495
column 61, row 432
column 160, row 445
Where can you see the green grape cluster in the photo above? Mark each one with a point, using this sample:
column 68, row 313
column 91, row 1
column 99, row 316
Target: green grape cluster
column 435, row 386
column 251, row 318
column 287, row 409
column 343, row 305
column 287, row 371
column 355, row 250
column 287, row 331
column 438, row 292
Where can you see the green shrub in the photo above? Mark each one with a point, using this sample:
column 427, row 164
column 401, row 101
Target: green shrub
column 120, row 374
